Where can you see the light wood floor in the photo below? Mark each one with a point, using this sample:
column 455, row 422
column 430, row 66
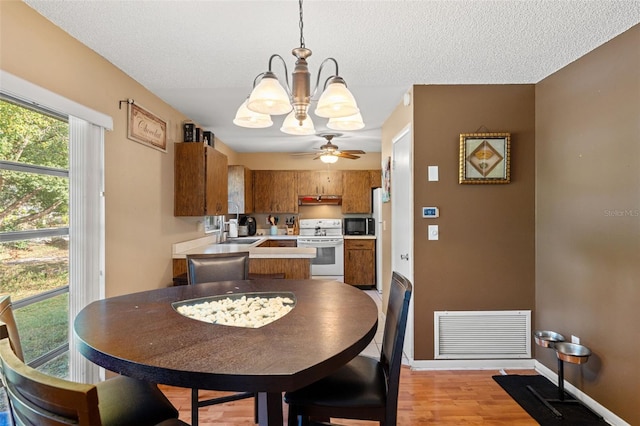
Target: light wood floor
column 426, row 398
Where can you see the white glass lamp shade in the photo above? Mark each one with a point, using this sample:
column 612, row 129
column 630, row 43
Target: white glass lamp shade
column 336, row 101
column 328, row 158
column 292, row 126
column 269, row 97
column 352, row 122
column 253, row 120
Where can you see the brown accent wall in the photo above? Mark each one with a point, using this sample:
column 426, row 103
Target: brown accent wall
column 484, row 259
column 588, row 218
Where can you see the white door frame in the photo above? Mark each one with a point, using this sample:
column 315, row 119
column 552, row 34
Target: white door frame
column 401, row 215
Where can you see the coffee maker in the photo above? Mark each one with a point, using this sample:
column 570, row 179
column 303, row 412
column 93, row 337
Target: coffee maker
column 250, row 223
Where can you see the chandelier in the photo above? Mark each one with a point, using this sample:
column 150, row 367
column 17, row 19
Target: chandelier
column 269, row 97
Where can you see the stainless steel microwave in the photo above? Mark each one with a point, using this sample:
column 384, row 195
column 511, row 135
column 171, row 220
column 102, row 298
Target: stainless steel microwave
column 359, row 226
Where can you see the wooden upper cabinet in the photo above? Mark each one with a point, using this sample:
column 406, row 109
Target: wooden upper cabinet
column 375, row 177
column 200, row 184
column 240, row 189
column 318, row 182
column 275, row 191
column 356, row 193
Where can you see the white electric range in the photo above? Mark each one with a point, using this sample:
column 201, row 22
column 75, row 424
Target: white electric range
column 325, row 235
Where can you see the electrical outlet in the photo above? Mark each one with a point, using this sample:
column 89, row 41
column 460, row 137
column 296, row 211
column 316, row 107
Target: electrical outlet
column 575, row 339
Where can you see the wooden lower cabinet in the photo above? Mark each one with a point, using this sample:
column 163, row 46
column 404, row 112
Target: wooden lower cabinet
column 293, row 268
column 360, row 262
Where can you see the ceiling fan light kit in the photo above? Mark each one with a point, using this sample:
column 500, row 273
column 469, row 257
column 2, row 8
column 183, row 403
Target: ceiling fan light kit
column 270, row 97
column 328, row 158
column 329, row 153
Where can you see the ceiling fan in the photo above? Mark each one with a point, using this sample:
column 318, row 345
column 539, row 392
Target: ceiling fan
column 329, row 153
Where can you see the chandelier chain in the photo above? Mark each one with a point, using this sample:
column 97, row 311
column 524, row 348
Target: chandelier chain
column 301, row 25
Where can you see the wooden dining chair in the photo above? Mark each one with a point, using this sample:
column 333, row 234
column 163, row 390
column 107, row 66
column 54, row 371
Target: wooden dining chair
column 365, row 388
column 123, row 400
column 36, row 398
column 6, row 316
column 203, row 268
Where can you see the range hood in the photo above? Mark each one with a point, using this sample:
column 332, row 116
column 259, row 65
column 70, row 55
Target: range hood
column 319, row 200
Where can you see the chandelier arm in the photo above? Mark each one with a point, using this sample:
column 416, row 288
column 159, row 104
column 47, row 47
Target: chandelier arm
column 255, row 80
column 286, row 71
column 315, row 90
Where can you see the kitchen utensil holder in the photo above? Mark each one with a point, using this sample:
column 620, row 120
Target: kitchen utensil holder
column 569, row 352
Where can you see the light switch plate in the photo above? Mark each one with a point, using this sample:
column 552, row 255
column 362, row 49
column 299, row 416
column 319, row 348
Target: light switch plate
column 432, row 173
column 432, row 232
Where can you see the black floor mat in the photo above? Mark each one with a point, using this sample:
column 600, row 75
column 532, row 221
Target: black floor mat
column 572, row 413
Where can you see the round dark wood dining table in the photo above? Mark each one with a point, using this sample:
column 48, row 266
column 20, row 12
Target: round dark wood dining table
column 141, row 335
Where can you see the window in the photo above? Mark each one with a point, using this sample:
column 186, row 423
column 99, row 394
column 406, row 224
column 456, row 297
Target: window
column 34, row 230
column 84, row 229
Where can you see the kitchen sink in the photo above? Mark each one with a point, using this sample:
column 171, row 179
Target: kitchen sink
column 240, row 241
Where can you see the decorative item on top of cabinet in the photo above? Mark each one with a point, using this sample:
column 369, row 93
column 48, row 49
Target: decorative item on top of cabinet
column 319, row 182
column 359, row 262
column 241, row 188
column 200, row 187
column 356, row 191
column 275, row 191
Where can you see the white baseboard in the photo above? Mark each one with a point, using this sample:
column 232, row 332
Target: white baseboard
column 473, row 364
column 607, row 415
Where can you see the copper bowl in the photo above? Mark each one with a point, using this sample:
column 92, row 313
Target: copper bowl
column 573, row 353
column 546, row 338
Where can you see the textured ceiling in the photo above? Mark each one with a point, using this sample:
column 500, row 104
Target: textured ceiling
column 201, row 57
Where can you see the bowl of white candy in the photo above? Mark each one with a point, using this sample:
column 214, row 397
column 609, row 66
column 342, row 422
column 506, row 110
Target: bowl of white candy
column 249, row 310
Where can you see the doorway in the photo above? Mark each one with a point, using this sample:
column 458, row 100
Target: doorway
column 402, row 219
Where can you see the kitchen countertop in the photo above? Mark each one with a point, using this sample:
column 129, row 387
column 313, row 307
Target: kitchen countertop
column 207, row 245
column 359, row 237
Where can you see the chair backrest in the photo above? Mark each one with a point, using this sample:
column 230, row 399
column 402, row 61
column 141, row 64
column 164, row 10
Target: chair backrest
column 204, row 268
column 39, row 399
column 393, row 340
column 6, row 316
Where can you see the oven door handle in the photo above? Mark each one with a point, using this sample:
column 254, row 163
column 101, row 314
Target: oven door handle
column 319, row 244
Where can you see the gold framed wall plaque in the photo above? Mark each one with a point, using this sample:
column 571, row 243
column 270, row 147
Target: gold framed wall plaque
column 146, row 128
column 485, row 158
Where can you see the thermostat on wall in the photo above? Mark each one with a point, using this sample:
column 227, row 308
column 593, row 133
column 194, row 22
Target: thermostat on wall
column 430, row 212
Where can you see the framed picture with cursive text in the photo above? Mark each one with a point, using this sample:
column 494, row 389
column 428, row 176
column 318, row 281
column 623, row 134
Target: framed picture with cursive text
column 146, row 128
column 485, row 158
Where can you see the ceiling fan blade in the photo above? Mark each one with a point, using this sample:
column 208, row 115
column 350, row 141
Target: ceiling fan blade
column 302, row 154
column 343, row 154
column 353, row 151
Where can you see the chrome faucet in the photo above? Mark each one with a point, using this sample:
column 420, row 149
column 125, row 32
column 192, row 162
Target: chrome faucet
column 237, row 208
